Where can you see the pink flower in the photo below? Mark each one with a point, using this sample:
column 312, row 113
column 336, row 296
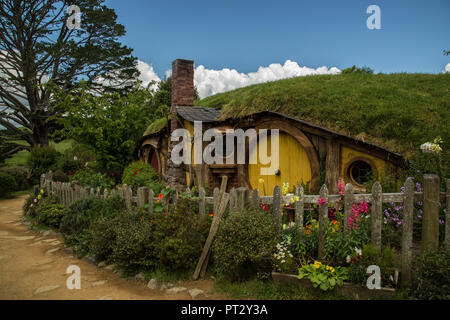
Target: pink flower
column 321, row 201
column 341, row 187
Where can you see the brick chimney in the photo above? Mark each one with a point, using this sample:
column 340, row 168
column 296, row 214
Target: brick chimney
column 182, row 95
column 182, row 87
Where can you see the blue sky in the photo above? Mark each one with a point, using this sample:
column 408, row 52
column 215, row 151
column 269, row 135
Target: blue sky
column 247, row 34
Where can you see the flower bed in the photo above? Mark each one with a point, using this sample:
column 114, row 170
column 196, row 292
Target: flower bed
column 348, row 290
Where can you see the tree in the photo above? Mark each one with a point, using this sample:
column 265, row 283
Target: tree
column 40, row 51
column 112, row 124
column 355, row 69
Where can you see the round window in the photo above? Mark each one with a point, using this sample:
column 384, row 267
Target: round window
column 360, row 172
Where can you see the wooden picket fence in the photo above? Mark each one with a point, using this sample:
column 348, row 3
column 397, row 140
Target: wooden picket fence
column 431, row 197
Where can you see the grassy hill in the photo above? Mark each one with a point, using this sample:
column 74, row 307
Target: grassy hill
column 396, row 111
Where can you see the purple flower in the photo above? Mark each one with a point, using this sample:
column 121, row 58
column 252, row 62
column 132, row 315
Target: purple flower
column 441, row 221
column 418, row 187
column 420, row 203
column 399, row 223
column 420, row 211
column 418, row 171
column 419, row 216
column 402, row 189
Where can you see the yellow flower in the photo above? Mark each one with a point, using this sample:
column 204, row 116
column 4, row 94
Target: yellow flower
column 42, row 191
column 261, row 180
column 297, row 198
column 292, row 200
column 39, row 197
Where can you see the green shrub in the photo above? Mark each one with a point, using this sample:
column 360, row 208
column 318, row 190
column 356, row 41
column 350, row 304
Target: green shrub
column 181, row 236
column 140, row 174
column 103, row 238
column 68, row 164
column 90, row 178
column 50, row 214
column 60, row 176
column 245, row 240
column 42, row 159
column 431, row 275
column 7, row 184
column 20, row 174
column 133, row 249
column 76, row 223
column 33, row 202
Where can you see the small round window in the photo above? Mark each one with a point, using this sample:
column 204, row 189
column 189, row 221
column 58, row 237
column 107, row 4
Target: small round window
column 360, row 172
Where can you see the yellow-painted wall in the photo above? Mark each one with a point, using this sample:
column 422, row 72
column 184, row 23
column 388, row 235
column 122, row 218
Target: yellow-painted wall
column 294, row 167
column 348, row 154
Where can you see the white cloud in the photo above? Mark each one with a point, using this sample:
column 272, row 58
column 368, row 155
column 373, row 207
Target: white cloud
column 447, row 68
column 147, row 73
column 209, row 82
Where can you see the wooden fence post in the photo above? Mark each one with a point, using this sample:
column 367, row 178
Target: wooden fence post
column 255, row 198
column 277, row 210
column 233, row 199
column 142, row 195
column 447, row 215
column 377, row 211
column 299, row 208
column 202, row 203
column 216, row 199
column 348, row 204
column 127, row 195
column 407, row 231
column 151, row 201
column 242, row 197
column 323, row 222
column 430, row 221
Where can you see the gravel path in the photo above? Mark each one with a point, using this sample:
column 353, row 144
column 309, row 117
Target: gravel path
column 33, row 266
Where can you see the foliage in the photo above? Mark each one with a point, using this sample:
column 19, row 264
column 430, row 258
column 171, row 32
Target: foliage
column 82, row 213
column 42, row 159
column 397, row 111
column 90, row 178
column 60, row 176
column 7, row 184
column 431, row 275
column 110, row 124
column 30, row 205
column 140, row 174
column 361, row 259
column 53, row 56
column 323, row 276
column 50, row 214
column 245, row 239
column 20, row 174
column 355, row 69
column 180, row 236
column 283, row 258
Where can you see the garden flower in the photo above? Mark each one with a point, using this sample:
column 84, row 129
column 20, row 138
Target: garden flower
column 135, row 173
column 211, row 214
column 285, row 188
column 42, row 191
column 160, row 196
column 321, row 201
column 261, row 180
column 39, row 197
column 341, row 186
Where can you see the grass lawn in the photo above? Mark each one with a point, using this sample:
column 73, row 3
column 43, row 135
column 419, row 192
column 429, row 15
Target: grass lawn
column 20, row 158
column 268, row 290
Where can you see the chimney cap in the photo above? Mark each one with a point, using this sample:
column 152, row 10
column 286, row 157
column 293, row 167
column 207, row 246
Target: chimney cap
column 183, row 60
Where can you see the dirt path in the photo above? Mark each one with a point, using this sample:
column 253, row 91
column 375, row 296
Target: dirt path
column 33, row 266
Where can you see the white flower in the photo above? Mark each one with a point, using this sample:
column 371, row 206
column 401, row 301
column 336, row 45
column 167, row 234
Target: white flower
column 347, row 259
column 358, row 251
column 75, row 158
column 429, row 147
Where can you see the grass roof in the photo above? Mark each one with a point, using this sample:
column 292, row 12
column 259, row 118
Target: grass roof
column 396, row 111
column 156, row 126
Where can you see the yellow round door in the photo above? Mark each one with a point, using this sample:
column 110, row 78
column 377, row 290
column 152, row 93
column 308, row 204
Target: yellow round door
column 294, row 166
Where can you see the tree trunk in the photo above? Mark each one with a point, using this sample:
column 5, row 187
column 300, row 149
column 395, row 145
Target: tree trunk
column 40, row 134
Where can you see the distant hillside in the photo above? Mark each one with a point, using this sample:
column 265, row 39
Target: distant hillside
column 395, row 111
